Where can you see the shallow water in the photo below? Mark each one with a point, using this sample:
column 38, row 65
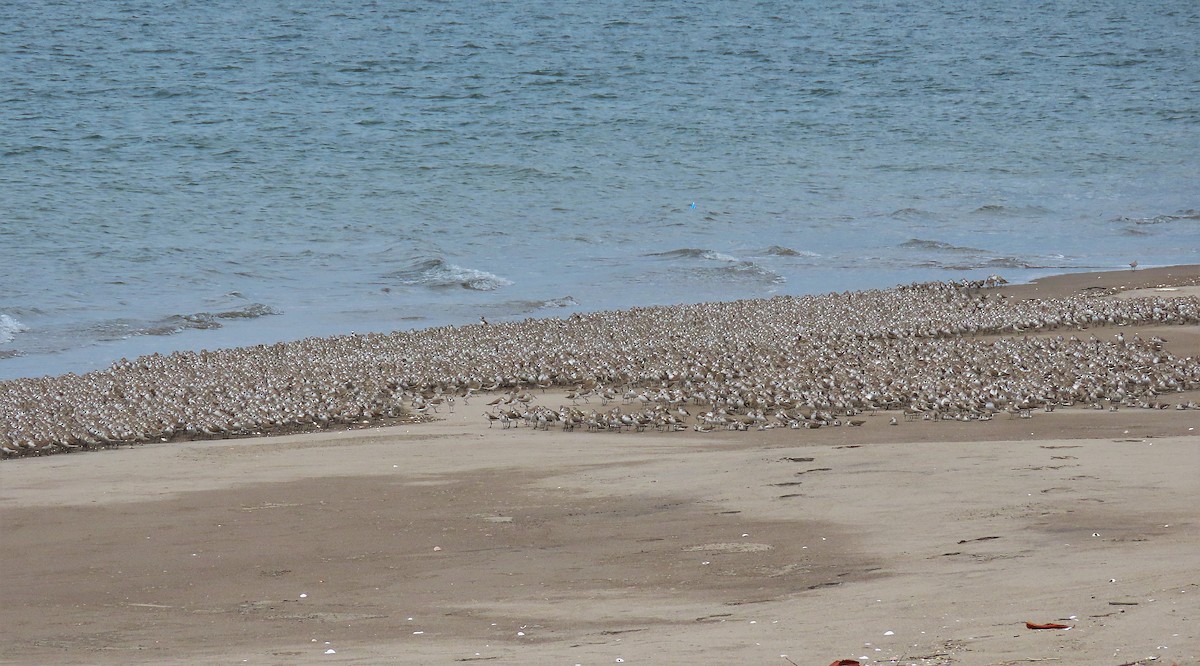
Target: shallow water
column 187, row 175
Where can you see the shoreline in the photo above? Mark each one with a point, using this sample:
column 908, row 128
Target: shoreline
column 1067, row 284
column 375, row 379
column 82, row 360
column 930, row 541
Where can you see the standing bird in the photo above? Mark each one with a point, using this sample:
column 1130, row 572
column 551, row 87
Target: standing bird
column 1133, row 265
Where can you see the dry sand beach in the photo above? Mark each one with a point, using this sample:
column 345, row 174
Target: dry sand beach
column 458, row 540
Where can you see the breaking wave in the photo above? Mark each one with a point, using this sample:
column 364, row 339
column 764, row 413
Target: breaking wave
column 252, row 311
column 780, row 251
column 940, row 246
column 914, row 214
column 731, row 268
column 436, row 273
column 9, row 328
column 693, row 253
column 204, row 320
column 743, row 271
column 121, row 329
column 1162, row 219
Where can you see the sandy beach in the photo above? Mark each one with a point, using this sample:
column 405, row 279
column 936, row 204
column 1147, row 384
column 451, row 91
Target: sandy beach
column 456, row 540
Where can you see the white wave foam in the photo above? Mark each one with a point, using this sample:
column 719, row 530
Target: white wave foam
column 9, row 328
column 438, row 273
column 477, row 280
column 746, row 272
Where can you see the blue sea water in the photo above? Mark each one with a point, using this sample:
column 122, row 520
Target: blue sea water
column 181, row 174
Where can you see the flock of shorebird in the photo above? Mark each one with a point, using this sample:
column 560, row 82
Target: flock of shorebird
column 931, row 350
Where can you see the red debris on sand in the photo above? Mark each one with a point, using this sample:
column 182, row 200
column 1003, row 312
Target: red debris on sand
column 1048, row 625
column 846, row 662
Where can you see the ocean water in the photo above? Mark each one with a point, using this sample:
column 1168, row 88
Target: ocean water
column 185, row 175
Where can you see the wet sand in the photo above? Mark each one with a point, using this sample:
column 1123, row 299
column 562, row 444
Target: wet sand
column 451, row 541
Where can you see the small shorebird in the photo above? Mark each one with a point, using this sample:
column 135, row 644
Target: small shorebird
column 1133, row 265
column 732, row 365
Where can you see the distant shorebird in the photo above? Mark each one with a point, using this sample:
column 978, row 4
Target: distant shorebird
column 1133, row 265
column 914, row 350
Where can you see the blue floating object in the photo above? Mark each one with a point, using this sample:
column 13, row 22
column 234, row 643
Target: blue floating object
column 693, row 205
